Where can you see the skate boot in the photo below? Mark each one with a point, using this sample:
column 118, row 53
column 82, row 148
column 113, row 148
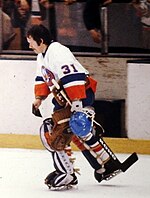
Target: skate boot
column 58, row 180
column 74, row 180
column 98, row 174
column 49, row 179
column 109, row 170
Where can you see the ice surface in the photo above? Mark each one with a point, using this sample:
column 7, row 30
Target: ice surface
column 22, row 174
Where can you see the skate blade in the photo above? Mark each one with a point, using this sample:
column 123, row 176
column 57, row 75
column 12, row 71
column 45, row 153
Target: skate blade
column 112, row 175
column 62, row 188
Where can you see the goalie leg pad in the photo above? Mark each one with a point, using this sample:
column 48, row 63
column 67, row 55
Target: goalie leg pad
column 64, row 171
column 45, row 130
column 62, row 162
column 81, row 125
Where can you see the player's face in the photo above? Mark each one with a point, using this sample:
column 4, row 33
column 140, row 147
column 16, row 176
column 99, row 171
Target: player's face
column 34, row 46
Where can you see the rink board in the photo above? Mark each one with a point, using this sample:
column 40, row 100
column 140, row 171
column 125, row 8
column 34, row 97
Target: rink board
column 118, row 145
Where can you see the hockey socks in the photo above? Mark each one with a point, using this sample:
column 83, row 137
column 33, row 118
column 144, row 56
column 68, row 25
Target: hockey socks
column 95, row 148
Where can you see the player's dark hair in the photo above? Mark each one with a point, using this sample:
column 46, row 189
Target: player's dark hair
column 39, row 32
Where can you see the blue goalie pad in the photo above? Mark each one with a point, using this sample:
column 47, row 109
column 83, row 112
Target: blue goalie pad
column 80, row 124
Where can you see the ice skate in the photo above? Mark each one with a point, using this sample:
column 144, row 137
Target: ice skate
column 60, row 181
column 107, row 172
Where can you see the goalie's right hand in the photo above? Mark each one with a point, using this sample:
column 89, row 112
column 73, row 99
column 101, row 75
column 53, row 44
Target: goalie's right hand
column 35, row 107
column 35, row 111
column 37, row 103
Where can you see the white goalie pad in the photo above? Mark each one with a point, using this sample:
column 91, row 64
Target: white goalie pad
column 46, row 127
column 61, row 159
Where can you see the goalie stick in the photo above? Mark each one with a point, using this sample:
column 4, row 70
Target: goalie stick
column 121, row 167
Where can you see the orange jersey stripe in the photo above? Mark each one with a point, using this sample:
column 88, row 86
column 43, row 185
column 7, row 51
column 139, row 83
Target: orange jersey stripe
column 76, row 92
column 92, row 84
column 41, row 90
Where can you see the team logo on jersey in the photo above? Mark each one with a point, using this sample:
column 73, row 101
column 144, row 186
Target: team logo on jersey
column 48, row 75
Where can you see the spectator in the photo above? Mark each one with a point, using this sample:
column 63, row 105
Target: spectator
column 19, row 12
column 8, row 31
column 22, row 16
column 91, row 16
column 143, row 11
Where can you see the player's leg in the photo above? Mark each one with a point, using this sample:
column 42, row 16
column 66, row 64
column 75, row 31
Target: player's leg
column 63, row 174
column 94, row 151
column 86, row 152
column 101, row 170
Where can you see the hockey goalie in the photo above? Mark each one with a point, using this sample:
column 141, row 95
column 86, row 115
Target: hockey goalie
column 60, row 73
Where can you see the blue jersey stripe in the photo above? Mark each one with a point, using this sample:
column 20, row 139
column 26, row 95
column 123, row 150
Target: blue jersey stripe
column 39, row 78
column 73, row 78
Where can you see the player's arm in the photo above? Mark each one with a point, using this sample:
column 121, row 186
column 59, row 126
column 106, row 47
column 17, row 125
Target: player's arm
column 41, row 91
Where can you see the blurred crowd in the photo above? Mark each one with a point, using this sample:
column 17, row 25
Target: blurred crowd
column 19, row 15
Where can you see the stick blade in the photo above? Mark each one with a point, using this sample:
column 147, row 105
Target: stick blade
column 129, row 162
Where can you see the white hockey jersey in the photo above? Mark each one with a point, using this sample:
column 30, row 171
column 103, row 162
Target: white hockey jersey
column 60, row 64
